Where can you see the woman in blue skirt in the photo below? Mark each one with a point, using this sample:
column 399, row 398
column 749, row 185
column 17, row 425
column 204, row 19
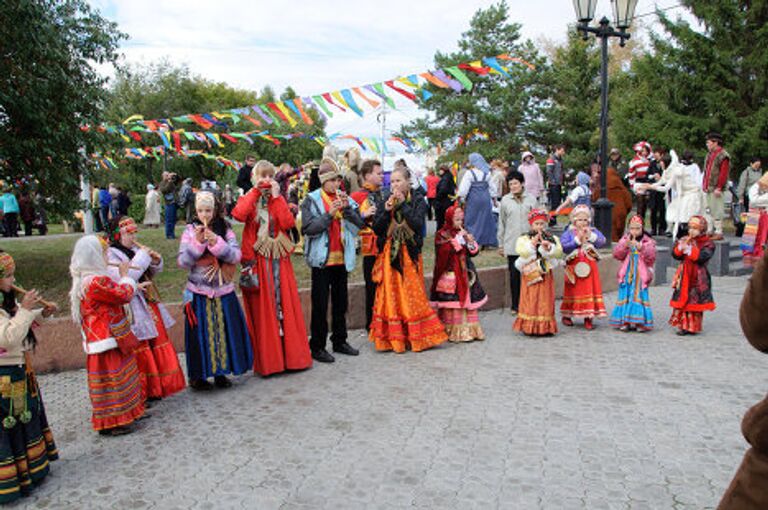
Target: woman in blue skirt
column 215, row 333
column 476, row 189
column 637, row 251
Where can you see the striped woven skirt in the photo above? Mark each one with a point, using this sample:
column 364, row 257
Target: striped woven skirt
column 26, row 441
column 114, row 385
column 216, row 337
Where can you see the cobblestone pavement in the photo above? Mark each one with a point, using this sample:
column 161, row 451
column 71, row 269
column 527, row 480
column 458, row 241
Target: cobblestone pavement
column 582, row 420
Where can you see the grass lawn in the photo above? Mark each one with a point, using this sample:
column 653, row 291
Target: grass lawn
column 43, row 263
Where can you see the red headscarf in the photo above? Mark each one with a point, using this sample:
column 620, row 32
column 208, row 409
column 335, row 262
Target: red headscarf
column 448, row 259
column 448, row 227
column 537, row 214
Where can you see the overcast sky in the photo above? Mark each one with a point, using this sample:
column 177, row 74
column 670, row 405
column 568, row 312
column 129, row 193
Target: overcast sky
column 320, row 46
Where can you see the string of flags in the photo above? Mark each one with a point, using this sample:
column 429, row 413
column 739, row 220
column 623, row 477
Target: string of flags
column 216, row 125
column 175, row 140
column 356, row 99
column 107, row 162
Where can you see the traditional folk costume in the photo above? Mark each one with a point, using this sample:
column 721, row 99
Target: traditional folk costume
column 270, row 294
column 749, row 488
column 621, row 198
column 633, row 306
column 402, row 317
column 152, row 207
column 755, row 234
column 215, row 332
column 456, row 292
column 583, row 292
column 693, row 284
column 26, row 441
column 536, row 315
column 687, row 197
column 638, row 174
column 97, row 303
column 581, row 194
column 717, row 167
column 155, row 355
column 476, row 189
column 366, row 197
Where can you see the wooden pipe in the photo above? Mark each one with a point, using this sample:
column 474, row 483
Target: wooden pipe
column 117, row 264
column 47, row 304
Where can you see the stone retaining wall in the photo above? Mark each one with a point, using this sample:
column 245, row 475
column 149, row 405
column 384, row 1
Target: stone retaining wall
column 60, row 343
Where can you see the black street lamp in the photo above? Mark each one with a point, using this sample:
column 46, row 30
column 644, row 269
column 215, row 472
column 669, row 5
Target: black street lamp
column 623, row 12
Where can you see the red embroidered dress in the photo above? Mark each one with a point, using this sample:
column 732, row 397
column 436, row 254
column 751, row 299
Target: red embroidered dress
column 693, row 284
column 114, row 382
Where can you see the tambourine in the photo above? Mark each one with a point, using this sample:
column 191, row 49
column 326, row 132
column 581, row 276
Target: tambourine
column 582, row 269
column 592, row 253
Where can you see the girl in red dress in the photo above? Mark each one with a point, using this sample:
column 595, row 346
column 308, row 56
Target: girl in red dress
column 156, row 356
column 271, row 297
column 583, row 292
column 693, row 284
column 456, row 292
column 97, row 301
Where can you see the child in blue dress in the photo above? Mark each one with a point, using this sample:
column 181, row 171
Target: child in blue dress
column 637, row 251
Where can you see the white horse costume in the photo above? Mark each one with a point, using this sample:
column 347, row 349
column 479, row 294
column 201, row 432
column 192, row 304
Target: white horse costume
column 687, row 197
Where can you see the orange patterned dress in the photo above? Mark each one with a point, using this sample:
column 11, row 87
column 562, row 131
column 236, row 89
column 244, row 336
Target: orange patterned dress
column 402, row 317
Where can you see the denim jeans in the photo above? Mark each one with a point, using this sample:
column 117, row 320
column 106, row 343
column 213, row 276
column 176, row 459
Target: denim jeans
column 170, row 221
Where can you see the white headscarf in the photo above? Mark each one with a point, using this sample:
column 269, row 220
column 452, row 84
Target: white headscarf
column 87, row 261
column 205, row 199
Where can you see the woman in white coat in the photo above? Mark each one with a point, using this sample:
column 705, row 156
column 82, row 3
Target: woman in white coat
column 687, row 196
column 152, row 207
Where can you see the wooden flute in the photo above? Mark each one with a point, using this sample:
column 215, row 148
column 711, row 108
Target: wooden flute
column 47, row 304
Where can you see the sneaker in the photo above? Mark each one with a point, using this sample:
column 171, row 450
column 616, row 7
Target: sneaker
column 323, row 356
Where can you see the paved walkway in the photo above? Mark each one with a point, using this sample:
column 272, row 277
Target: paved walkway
column 582, row 420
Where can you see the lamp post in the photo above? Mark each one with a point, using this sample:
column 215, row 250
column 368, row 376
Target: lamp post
column 623, row 12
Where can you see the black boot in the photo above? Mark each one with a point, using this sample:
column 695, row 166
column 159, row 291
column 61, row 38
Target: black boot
column 345, row 348
column 323, row 356
column 222, row 382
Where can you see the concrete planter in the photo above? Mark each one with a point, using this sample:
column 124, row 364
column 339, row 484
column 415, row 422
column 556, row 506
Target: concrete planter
column 60, row 342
